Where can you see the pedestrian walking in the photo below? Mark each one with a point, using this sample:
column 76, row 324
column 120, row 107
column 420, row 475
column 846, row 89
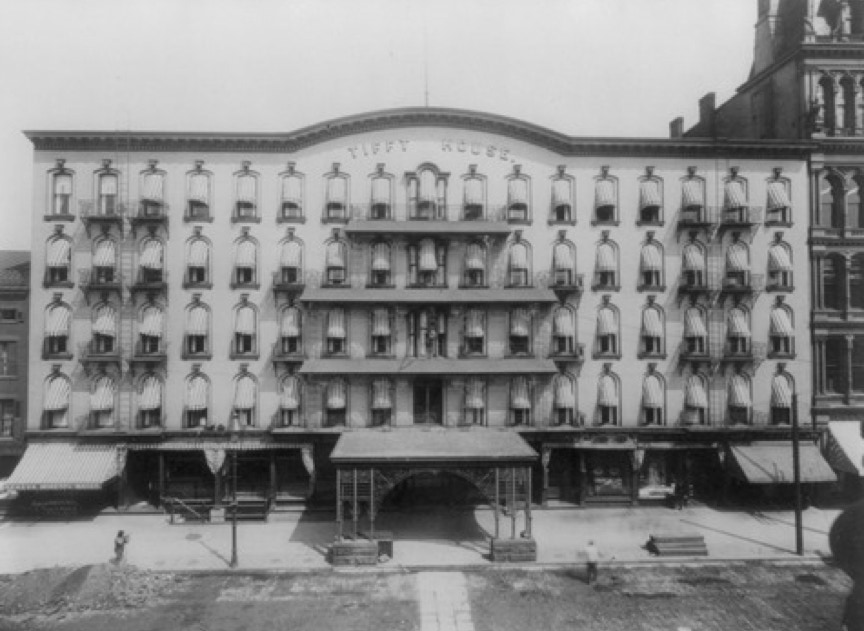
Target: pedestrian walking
column 592, row 557
column 120, row 542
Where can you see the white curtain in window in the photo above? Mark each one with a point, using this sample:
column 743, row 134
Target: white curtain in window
column 335, row 254
column 428, row 189
column 520, row 322
column 737, row 323
column 562, row 256
column 781, row 323
column 694, row 323
column 380, row 190
column 152, row 187
column 244, row 322
column 197, row 321
column 474, row 191
column 606, row 258
column 336, row 395
column 739, row 392
column 604, row 194
column 652, row 392
column 290, row 399
column 474, row 325
column 735, row 195
column 102, row 397
column 474, row 257
column 106, row 254
column 475, row 395
column 607, row 322
column 652, row 325
column 695, row 395
column 58, row 253
column 57, row 394
column 736, row 258
column 291, row 322
column 517, row 191
column 381, row 399
column 105, row 322
column 607, row 392
column 199, row 253
column 151, row 322
column 336, row 324
column 519, row 394
column 246, row 254
column 561, row 192
column 245, row 391
column 108, row 184
column 292, row 189
column 565, row 396
column 694, row 261
column 337, row 188
column 649, row 194
column 781, row 392
column 651, row 259
column 381, row 257
column 428, row 260
column 150, row 397
column 247, row 188
column 692, row 195
column 380, row 323
column 57, row 321
column 199, row 187
column 779, row 259
column 197, row 390
column 563, row 323
column 151, row 254
column 291, row 255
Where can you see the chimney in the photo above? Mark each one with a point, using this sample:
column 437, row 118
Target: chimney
column 707, row 109
column 676, row 128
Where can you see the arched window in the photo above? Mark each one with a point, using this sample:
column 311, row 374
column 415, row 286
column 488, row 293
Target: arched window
column 475, row 401
column 151, row 261
column 520, row 331
column 427, row 264
column 337, row 196
column 104, row 262
column 290, row 399
column 150, row 327
column 245, row 195
column 198, row 262
column 55, row 406
column 735, row 204
column 782, row 332
column 61, row 186
column 607, row 344
column 518, row 197
column 475, row 265
column 381, row 329
column 474, row 195
column 381, row 189
column 198, row 193
column 653, row 399
column 564, row 399
column 58, row 261
column 196, row 400
column 336, row 333
column 738, row 337
column 832, row 201
column 520, row 401
column 693, row 200
column 245, row 342
column 739, row 399
column 652, row 336
column 608, row 399
column 846, row 109
column 780, row 266
column 245, row 263
column 427, row 193
column 150, row 401
column 291, row 262
column 152, row 192
column 651, row 266
column 381, row 399
column 246, row 399
column 336, row 402
column 107, row 185
column 651, row 201
column 474, row 336
column 606, row 199
column 102, row 393
column 854, row 209
column 519, row 264
column 291, row 203
column 380, row 272
column 291, row 332
column 564, row 264
column 856, row 281
column 693, row 266
column 58, row 321
column 606, row 266
column 336, row 263
column 104, row 326
column 779, row 206
column 562, row 198
column 564, row 331
column 782, row 399
column 695, row 331
column 834, row 282
column 737, row 265
column 197, row 334
column 696, row 400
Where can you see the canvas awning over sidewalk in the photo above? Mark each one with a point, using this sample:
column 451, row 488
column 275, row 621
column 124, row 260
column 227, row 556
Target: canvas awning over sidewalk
column 54, row 466
column 771, row 463
column 845, row 448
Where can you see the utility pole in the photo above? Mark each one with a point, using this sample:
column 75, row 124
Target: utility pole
column 796, row 478
column 234, row 437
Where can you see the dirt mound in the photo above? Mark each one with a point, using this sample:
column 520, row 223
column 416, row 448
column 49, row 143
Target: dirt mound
column 86, row 588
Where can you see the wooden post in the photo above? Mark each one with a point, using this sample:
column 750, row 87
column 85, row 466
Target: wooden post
column 339, row 500
column 512, row 503
column 372, row 503
column 528, row 502
column 497, row 504
column 354, row 511
column 161, row 482
column 272, row 497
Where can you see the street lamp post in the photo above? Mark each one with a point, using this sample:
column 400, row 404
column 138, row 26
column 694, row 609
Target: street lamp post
column 234, row 438
column 796, row 478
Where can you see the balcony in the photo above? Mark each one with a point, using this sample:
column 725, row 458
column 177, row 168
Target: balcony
column 150, row 281
column 740, row 217
column 282, row 354
column 744, row 283
column 287, row 281
column 751, row 352
column 694, row 287
column 410, row 220
column 564, row 355
column 94, row 353
column 693, row 353
column 697, row 218
column 149, row 354
column 150, row 214
column 102, row 214
column 56, row 350
column 57, row 277
column 99, row 279
column 566, row 283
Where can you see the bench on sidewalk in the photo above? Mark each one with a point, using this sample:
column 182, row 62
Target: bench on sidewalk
column 677, row 544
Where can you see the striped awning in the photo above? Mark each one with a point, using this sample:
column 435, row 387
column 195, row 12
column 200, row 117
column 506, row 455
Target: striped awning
column 695, row 395
column 245, row 393
column 380, row 323
column 652, row 326
column 692, row 196
column 520, row 398
column 428, row 189
column 53, row 466
column 150, row 397
column 563, row 257
column 290, row 399
column 737, row 323
column 845, row 448
column 62, row 184
column 106, row 254
column 607, row 323
column 199, row 187
column 291, row 255
column 473, row 191
column 781, row 323
column 337, row 189
column 651, row 259
column 693, row 261
column 246, row 254
column 652, row 392
column 474, row 323
column 474, row 257
column 291, row 322
column 247, row 188
column 105, row 322
column 57, row 321
column 739, row 392
column 151, row 254
column 151, row 322
column 778, row 196
column 197, row 391
column 475, row 394
column 518, row 256
column 57, row 394
column 102, row 397
column 606, row 258
column 381, row 399
column 649, row 194
column 779, row 259
column 561, row 194
column 107, row 184
column 199, row 253
column 335, row 254
column 737, row 259
column 336, row 395
column 520, row 323
column 428, row 261
column 565, row 396
column 152, row 187
column 292, row 189
column 244, row 322
column 197, row 321
column 607, row 394
column 58, row 253
column 517, row 191
column 563, row 324
column 336, row 324
column 381, row 257
column 734, row 195
column 772, row 463
column 694, row 323
column 604, row 194
column 781, row 392
column 380, row 190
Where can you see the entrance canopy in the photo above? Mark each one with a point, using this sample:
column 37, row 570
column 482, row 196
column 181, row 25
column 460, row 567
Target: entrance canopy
column 846, row 447
column 422, row 446
column 64, row 466
column 771, row 463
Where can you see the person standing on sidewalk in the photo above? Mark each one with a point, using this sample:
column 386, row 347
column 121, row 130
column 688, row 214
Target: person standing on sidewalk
column 592, row 557
column 120, row 542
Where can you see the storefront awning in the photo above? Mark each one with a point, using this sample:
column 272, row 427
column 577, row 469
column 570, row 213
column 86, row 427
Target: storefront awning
column 244, row 444
column 416, row 446
column 436, row 366
column 64, row 466
column 771, row 463
column 430, row 296
column 845, row 448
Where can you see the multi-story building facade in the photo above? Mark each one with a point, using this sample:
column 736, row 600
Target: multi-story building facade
column 806, row 84
column 14, row 327
column 635, row 310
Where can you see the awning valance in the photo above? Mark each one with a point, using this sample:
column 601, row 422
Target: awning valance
column 474, row 257
column 244, row 322
column 606, row 260
column 102, row 397
column 652, row 392
column 246, row 254
column 781, row 392
column 380, row 323
column 695, row 395
column 692, row 195
column 475, row 394
column 651, row 259
column 58, row 253
column 335, row 254
column 561, row 194
column 563, row 257
column 517, row 191
column 291, row 322
column 54, row 466
column 778, row 196
column 845, row 448
column 652, row 325
column 337, row 188
column 381, row 257
column 473, row 191
column 105, row 322
column 520, row 323
column 604, row 194
column 565, row 396
column 694, row 261
column 518, row 256
column 779, row 259
column 290, row 399
column 381, row 399
column 105, row 254
column 737, row 259
column 428, row 260
column 694, row 323
column 151, row 254
column 291, row 255
column 336, row 324
column 57, row 321
column 607, row 394
column 380, row 190
column 520, row 398
column 563, row 325
column 649, row 194
column 199, row 253
column 199, row 188
column 150, row 397
column 781, row 323
column 57, row 394
column 771, row 463
column 245, row 391
column 739, row 392
column 474, row 324
column 152, row 187
column 737, row 323
column 735, row 195
column 197, row 321
column 247, row 189
column 151, row 322
column 292, row 189
column 336, row 395
column 197, row 390
column 607, row 322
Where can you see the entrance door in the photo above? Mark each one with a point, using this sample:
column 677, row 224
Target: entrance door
column 428, row 402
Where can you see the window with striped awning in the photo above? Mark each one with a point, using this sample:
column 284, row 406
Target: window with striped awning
column 520, row 397
column 105, row 254
column 381, row 398
column 381, row 257
column 150, row 397
column 105, row 321
column 58, row 253
column 245, row 393
column 428, row 186
column 290, row 398
column 649, row 194
column 606, row 259
column 694, row 323
column 518, row 256
column 778, row 196
column 652, row 392
column 475, row 395
column 199, row 188
column 57, row 321
column 57, row 394
column 246, row 254
column 108, row 184
column 337, row 395
column 151, row 254
column 737, row 259
column 292, row 189
column 520, row 322
column 692, row 194
column 152, row 186
column 607, row 394
column 475, row 323
column 737, row 323
column 244, row 321
column 380, row 190
column 604, row 194
column 475, row 258
column 151, row 322
column 562, row 323
column 652, row 323
column 734, row 195
column 563, row 257
column 247, row 188
column 291, row 322
column 607, row 322
column 102, row 397
column 561, row 192
column 199, row 253
column 474, row 191
column 517, row 191
column 335, row 254
column 693, row 259
column 337, row 190
column 197, row 393
column 428, row 261
column 197, row 321
column 695, row 395
column 291, row 254
column 779, row 259
column 565, row 394
column 336, row 324
column 380, row 323
column 651, row 259
column 739, row 392
column 781, row 323
column 781, row 392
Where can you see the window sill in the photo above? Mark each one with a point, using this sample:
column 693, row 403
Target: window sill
column 236, row 219
column 778, row 224
column 57, row 356
column 644, row 355
column 483, row 286
column 561, row 222
column 596, row 287
column 519, row 356
column 63, row 284
column 335, row 285
column 298, row 220
column 336, row 220
column 241, row 356
column 772, row 355
column 188, row 285
column 508, row 286
column 651, row 288
column 415, row 286
column 197, row 356
column 63, row 217
column 340, row 355
column 606, row 355
column 189, row 219
column 519, row 222
column 597, row 222
column 659, row 223
column 779, row 288
column 380, row 356
column 380, row 286
column 246, row 286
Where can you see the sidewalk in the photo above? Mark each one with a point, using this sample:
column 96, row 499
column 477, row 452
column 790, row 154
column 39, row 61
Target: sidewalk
column 298, row 541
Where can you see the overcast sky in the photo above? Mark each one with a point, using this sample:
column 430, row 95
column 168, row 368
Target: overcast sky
column 582, row 67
